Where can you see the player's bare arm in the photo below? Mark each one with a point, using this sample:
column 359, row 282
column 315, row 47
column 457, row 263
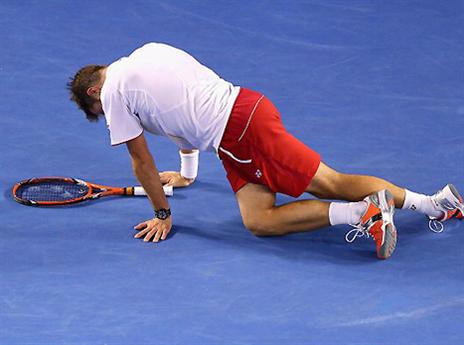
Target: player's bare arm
column 146, row 172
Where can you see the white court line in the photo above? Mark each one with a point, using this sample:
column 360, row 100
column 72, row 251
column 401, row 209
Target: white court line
column 413, row 314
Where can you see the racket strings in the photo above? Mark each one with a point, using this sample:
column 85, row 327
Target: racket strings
column 52, row 191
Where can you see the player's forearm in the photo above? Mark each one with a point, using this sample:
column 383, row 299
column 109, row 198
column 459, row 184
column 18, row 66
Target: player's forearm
column 147, row 174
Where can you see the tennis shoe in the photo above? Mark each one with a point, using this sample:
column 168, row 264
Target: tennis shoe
column 450, row 203
column 459, row 215
column 377, row 223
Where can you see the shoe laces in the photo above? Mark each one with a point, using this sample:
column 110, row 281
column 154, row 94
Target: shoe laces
column 357, row 231
column 362, row 229
column 435, row 225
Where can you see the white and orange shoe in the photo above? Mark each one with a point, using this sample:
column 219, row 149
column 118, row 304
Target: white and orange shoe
column 377, row 222
column 450, row 202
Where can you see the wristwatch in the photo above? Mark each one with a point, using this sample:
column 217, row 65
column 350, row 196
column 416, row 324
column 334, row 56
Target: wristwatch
column 163, row 213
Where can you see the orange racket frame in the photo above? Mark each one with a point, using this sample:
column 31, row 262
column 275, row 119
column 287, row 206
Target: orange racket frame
column 95, row 191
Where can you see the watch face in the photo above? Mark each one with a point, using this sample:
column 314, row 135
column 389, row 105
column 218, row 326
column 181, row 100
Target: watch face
column 162, row 213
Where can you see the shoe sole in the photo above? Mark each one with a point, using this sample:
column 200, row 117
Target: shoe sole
column 387, row 207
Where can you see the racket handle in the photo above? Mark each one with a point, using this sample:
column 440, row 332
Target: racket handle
column 168, row 191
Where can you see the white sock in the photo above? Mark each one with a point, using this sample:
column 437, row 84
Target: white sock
column 420, row 203
column 346, row 212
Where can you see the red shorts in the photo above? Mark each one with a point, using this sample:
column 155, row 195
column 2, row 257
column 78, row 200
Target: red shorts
column 256, row 148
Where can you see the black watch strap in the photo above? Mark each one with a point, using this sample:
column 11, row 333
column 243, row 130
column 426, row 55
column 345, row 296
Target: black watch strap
column 163, row 213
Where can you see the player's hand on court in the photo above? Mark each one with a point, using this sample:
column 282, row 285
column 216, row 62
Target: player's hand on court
column 175, row 179
column 154, row 229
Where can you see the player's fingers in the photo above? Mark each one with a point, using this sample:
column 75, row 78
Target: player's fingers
column 167, row 174
column 140, row 226
column 141, row 233
column 164, row 177
column 165, row 233
column 171, row 181
column 149, row 235
column 158, row 234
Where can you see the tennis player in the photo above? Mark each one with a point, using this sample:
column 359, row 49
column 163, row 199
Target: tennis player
column 164, row 91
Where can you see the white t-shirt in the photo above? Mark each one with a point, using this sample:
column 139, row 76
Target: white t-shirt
column 167, row 92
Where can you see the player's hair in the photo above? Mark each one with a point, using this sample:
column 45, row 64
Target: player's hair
column 86, row 77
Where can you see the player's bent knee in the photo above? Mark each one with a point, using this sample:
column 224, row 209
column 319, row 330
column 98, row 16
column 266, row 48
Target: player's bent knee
column 259, row 227
column 256, row 204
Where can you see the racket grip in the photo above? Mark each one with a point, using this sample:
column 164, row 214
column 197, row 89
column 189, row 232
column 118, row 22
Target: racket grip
column 168, row 191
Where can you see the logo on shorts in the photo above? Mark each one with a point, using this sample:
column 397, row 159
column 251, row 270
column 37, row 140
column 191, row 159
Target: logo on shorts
column 258, row 173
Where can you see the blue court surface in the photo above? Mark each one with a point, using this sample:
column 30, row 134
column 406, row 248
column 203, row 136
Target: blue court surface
column 377, row 87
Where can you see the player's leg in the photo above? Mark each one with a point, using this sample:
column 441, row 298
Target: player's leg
column 262, row 217
column 331, row 184
column 257, row 151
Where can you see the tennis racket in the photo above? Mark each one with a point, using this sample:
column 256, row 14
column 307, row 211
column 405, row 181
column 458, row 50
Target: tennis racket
column 54, row 191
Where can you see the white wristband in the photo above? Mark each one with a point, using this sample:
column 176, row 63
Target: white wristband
column 189, row 164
